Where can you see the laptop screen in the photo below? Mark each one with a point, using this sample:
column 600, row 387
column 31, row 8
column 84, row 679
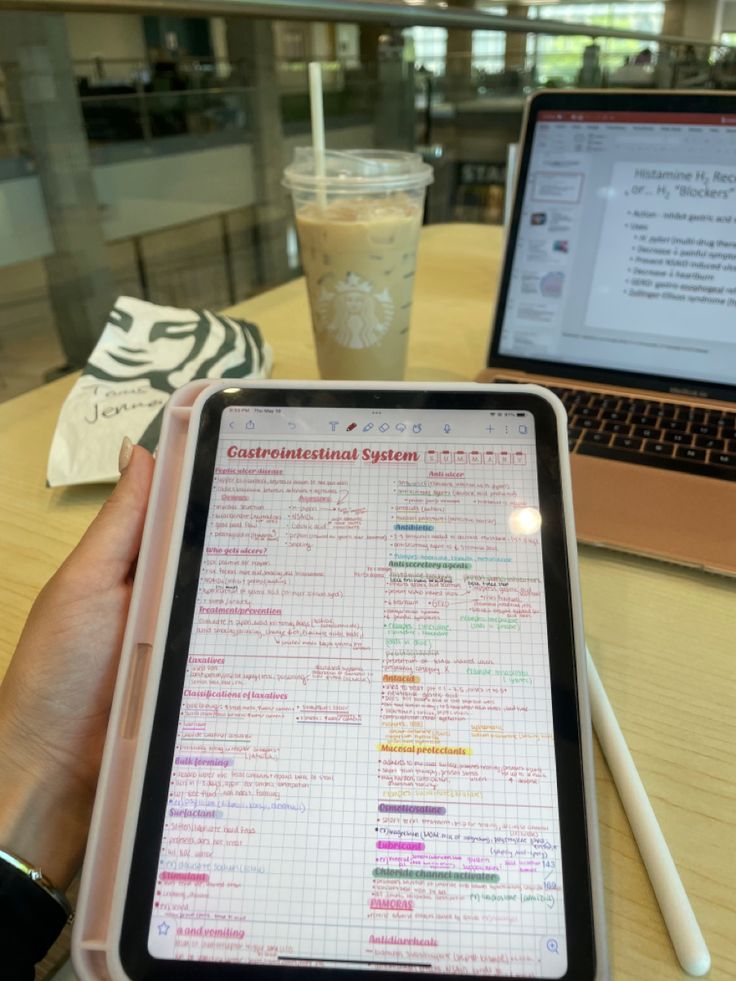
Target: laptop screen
column 623, row 256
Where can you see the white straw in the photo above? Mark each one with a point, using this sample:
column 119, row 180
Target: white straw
column 677, row 912
column 318, row 127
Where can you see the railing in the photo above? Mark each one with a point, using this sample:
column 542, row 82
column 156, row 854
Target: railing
column 118, row 117
column 614, row 65
column 431, row 13
column 125, row 100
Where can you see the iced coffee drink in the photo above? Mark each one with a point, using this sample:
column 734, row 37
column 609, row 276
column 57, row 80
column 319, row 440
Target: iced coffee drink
column 358, row 243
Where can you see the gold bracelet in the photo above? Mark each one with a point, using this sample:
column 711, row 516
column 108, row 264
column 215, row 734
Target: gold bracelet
column 37, row 876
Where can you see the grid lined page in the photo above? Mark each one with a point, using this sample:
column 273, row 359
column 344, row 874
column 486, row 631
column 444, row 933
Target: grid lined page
column 364, row 771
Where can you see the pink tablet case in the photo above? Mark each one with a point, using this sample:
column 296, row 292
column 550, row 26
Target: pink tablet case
column 91, row 938
column 99, row 907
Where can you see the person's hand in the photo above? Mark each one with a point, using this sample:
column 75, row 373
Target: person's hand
column 55, row 698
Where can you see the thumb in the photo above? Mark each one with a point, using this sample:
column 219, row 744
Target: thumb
column 106, row 553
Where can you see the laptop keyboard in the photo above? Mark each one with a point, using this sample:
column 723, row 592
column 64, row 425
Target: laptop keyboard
column 650, row 433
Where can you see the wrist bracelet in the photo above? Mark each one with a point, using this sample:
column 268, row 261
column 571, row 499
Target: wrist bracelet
column 32, row 914
column 38, row 878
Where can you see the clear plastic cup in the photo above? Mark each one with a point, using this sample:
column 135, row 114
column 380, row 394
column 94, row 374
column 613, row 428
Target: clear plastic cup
column 358, row 229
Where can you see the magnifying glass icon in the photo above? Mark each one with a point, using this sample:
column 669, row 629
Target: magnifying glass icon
column 552, row 947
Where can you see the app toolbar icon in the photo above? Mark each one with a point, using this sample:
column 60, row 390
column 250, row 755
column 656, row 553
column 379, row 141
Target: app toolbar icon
column 383, row 427
column 368, row 426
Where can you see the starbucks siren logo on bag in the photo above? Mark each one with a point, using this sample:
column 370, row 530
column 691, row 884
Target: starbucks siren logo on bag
column 354, row 314
column 144, row 353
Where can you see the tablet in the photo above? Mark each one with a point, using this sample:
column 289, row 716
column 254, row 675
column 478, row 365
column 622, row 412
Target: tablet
column 371, row 747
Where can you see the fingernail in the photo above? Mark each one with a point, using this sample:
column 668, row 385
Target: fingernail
column 126, row 452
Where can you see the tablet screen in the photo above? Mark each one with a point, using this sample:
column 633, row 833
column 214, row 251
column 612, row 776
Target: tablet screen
column 364, row 772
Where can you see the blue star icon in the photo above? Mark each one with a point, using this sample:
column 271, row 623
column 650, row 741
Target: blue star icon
column 163, row 928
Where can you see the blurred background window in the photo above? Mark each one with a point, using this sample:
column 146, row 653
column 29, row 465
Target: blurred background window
column 430, row 48
column 557, row 59
column 489, row 47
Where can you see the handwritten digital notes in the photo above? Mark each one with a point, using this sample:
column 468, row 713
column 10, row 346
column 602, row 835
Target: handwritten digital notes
column 364, row 771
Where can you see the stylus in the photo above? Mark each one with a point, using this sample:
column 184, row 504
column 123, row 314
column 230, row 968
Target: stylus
column 677, row 912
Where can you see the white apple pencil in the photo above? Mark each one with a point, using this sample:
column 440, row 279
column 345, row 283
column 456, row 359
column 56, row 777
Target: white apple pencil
column 677, row 912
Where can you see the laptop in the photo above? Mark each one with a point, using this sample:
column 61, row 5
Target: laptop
column 618, row 292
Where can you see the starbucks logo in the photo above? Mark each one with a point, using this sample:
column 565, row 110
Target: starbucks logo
column 354, row 314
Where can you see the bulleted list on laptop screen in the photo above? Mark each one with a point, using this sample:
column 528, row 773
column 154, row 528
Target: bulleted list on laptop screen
column 625, row 256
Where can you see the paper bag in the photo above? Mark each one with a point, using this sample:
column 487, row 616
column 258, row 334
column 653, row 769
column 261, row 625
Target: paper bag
column 144, row 353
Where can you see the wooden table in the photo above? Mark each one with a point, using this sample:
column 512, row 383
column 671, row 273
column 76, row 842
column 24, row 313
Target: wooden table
column 664, row 638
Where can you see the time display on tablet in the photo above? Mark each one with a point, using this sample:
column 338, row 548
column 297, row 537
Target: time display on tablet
column 364, row 771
